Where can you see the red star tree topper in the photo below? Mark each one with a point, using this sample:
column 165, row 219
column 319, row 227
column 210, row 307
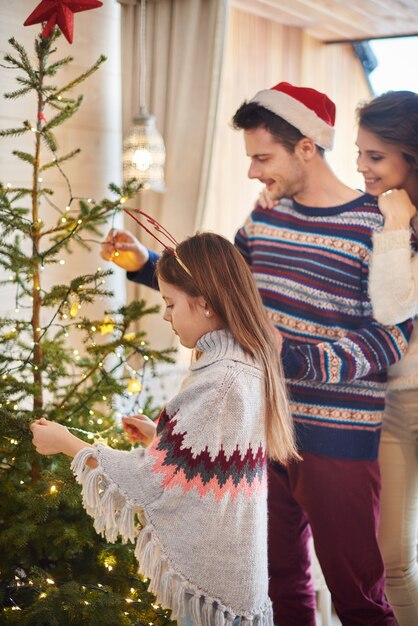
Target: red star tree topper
column 59, row 13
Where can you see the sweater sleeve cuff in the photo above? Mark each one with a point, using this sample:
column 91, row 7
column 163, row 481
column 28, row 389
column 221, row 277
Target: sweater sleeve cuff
column 146, row 275
column 387, row 240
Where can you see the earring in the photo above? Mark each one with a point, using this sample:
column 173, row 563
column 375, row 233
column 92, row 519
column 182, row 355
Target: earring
column 207, row 313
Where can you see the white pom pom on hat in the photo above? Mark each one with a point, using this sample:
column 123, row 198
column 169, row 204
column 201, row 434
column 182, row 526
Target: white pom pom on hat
column 308, row 110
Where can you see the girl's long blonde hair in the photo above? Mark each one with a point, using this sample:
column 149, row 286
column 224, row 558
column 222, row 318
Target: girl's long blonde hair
column 210, row 266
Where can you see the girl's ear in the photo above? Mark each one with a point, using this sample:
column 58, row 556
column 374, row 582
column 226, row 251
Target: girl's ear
column 205, row 308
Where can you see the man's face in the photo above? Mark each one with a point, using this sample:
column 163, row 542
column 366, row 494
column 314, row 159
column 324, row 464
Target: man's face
column 282, row 172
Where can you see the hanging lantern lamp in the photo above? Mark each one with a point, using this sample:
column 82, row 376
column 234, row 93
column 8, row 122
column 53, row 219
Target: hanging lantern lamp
column 143, row 149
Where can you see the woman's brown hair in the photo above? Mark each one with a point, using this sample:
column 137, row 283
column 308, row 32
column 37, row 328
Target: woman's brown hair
column 393, row 117
column 218, row 272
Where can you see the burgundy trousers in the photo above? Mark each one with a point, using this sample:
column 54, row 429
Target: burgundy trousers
column 338, row 501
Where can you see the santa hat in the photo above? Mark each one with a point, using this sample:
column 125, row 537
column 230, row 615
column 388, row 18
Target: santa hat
column 308, row 110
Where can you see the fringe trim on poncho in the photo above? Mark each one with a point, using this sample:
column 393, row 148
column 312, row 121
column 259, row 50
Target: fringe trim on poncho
column 114, row 515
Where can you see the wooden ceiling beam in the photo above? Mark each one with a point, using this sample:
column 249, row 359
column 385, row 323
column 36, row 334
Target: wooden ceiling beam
column 337, row 20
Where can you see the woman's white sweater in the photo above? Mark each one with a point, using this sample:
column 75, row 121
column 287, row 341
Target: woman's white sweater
column 393, row 288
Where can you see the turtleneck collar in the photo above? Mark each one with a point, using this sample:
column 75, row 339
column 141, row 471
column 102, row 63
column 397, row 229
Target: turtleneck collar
column 217, row 345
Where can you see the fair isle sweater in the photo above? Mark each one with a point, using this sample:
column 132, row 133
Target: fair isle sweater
column 311, row 268
column 199, row 491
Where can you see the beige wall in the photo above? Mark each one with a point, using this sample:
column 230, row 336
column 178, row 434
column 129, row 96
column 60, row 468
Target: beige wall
column 336, row 70
column 259, row 54
column 95, row 128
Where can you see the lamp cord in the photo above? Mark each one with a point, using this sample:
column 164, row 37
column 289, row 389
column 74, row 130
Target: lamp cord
column 142, row 59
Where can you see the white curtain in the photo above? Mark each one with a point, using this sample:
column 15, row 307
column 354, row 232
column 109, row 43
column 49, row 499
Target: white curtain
column 184, row 43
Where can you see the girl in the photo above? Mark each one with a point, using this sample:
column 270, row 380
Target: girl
column 388, row 159
column 199, row 490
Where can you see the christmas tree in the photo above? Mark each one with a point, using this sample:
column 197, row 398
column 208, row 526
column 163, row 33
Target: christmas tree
column 54, row 568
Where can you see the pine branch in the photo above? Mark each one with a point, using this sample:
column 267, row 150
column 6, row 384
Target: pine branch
column 82, row 77
column 15, row 132
column 49, row 139
column 92, row 369
column 63, row 116
column 13, row 217
column 24, row 156
column 59, row 160
column 58, row 103
column 13, row 95
column 86, row 220
column 24, row 191
column 52, row 69
column 24, row 62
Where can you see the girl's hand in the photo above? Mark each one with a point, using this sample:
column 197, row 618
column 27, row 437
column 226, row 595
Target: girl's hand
column 48, row 437
column 53, row 438
column 397, row 209
column 139, row 428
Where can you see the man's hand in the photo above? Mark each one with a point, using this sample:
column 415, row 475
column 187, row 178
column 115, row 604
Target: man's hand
column 139, row 428
column 124, row 249
column 397, row 209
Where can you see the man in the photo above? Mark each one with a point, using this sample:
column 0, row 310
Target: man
column 309, row 257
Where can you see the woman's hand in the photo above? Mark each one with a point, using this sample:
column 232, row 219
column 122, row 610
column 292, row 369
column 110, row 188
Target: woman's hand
column 139, row 428
column 397, row 209
column 124, row 249
column 265, row 199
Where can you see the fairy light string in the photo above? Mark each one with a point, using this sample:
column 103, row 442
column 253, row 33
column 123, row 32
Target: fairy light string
column 73, row 221
column 44, row 584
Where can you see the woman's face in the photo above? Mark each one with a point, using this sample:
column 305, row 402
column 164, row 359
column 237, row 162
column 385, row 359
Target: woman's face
column 382, row 164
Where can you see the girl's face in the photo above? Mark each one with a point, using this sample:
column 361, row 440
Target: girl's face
column 189, row 317
column 382, row 164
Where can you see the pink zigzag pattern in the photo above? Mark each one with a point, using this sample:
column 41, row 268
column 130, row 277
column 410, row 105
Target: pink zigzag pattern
column 180, row 468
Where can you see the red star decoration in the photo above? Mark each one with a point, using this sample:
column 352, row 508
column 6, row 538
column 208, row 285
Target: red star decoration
column 59, row 13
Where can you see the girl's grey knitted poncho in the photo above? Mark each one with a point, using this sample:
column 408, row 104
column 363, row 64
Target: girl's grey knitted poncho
column 198, row 492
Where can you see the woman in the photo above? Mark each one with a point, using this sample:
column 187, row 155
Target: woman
column 388, row 159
